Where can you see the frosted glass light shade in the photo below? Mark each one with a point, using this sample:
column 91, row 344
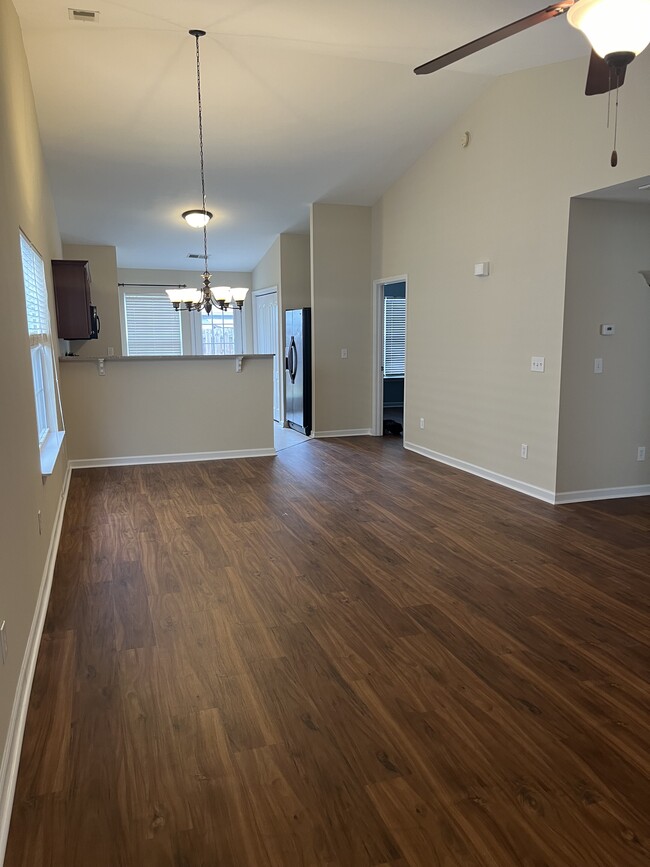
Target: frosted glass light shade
column 185, row 295
column 222, row 293
column 176, row 296
column 239, row 293
column 197, row 218
column 193, row 296
column 613, row 26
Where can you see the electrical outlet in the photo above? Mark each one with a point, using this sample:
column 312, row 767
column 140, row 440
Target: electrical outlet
column 344, row 353
column 524, row 451
column 537, row 364
column 640, row 453
column 111, row 351
column 421, row 424
column 4, row 649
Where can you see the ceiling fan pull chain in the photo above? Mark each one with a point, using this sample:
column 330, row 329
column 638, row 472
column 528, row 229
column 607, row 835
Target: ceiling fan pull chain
column 614, row 159
column 609, row 96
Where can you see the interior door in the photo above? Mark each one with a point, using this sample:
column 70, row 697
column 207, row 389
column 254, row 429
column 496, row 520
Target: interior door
column 266, row 337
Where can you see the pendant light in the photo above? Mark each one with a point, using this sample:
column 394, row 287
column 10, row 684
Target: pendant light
column 206, row 297
column 197, row 218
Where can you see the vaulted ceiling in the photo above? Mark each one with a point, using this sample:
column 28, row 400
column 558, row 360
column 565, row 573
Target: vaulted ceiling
column 304, row 101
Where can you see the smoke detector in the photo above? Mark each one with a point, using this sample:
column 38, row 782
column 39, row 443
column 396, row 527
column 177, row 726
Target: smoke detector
column 86, row 15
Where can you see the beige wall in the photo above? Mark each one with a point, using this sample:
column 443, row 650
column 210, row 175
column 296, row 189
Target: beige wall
column 167, row 407
column 295, row 274
column 193, row 278
column 342, row 317
column 103, row 273
column 267, row 271
column 26, row 205
column 536, row 140
column 604, row 418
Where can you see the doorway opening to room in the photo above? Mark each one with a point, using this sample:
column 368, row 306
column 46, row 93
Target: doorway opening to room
column 390, row 356
column 267, row 340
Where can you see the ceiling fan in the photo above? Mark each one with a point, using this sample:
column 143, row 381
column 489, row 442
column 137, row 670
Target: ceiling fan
column 618, row 31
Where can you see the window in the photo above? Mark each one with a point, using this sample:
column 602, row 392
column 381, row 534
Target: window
column 151, row 325
column 394, row 336
column 219, row 333
column 46, row 393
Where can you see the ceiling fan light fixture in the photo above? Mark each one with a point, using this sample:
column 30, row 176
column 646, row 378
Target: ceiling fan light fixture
column 613, row 27
column 197, row 218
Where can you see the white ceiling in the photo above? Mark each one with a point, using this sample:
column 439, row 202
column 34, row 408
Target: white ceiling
column 304, row 101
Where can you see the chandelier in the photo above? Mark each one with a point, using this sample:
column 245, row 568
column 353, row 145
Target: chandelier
column 207, row 296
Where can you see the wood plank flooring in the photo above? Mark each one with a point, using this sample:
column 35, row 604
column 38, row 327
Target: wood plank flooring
column 345, row 655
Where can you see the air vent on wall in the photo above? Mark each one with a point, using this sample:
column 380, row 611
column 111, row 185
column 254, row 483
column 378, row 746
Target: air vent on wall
column 82, row 15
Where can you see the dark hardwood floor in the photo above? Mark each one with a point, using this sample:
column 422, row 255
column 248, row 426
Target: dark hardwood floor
column 345, row 655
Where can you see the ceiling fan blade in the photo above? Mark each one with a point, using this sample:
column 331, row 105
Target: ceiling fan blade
column 602, row 77
column 496, row 36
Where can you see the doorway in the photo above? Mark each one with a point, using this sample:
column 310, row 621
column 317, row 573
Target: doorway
column 389, row 355
column 266, row 339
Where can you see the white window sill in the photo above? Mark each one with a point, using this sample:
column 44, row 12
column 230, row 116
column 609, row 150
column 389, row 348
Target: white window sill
column 50, row 452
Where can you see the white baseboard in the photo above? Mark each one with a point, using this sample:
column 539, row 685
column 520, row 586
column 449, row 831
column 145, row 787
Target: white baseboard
column 11, row 755
column 505, row 481
column 603, row 494
column 134, row 460
column 554, row 499
column 360, row 432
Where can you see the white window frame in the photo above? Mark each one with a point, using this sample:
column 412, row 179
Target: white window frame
column 47, row 403
column 125, row 293
column 196, row 323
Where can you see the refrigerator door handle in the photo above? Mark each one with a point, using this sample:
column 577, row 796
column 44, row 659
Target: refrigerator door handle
column 293, row 360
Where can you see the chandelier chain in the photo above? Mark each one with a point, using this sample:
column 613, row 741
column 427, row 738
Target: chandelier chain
column 206, row 300
column 201, row 155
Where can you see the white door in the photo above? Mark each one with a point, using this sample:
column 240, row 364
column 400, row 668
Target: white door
column 266, row 337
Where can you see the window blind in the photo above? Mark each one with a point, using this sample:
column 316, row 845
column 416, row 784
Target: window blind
column 152, row 325
column 394, row 336
column 38, row 317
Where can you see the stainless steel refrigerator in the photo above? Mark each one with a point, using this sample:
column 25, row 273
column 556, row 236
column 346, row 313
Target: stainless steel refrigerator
column 297, row 362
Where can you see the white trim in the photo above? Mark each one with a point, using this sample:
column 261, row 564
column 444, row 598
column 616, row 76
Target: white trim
column 279, row 349
column 184, row 457
column 505, row 481
column 603, row 494
column 532, row 490
column 14, row 742
column 50, row 452
column 360, row 432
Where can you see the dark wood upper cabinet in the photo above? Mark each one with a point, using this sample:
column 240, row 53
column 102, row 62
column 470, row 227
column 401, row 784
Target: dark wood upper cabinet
column 72, row 297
